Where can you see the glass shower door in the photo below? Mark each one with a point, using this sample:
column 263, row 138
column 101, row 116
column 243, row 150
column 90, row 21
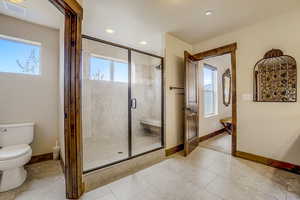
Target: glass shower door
column 146, row 102
column 105, row 83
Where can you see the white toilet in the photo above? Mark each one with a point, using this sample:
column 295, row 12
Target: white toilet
column 15, row 152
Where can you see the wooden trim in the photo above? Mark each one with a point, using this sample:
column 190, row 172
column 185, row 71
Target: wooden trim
column 68, row 7
column 234, row 104
column 72, row 91
column 208, row 136
column 174, row 149
column 216, row 52
column 40, row 158
column 62, row 164
column 270, row 162
column 180, row 147
column 231, row 48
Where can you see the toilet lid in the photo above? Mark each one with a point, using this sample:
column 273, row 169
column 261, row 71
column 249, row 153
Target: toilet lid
column 14, row 151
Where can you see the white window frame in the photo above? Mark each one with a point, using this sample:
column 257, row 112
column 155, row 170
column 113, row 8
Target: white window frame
column 214, row 91
column 111, row 78
column 23, row 41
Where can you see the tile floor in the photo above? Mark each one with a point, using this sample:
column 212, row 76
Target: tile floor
column 204, row 175
column 220, row 143
column 45, row 181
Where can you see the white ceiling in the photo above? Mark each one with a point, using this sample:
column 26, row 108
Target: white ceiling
column 138, row 20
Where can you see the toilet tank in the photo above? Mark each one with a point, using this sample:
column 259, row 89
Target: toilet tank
column 14, row 134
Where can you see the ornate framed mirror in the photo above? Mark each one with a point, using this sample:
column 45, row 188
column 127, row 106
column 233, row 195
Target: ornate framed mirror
column 275, row 78
column 226, row 86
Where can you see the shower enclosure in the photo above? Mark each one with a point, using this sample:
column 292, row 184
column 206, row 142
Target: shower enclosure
column 122, row 103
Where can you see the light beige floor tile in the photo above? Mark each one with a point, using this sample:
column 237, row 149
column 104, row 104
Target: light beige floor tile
column 107, row 197
column 221, row 143
column 265, row 185
column 198, row 176
column 292, row 196
column 292, row 181
column 170, row 187
column 128, row 187
column 234, row 191
column 200, row 194
column 97, row 193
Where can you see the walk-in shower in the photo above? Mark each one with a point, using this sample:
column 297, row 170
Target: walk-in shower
column 122, row 103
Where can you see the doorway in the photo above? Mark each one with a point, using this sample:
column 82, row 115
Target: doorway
column 73, row 169
column 202, row 63
column 215, row 110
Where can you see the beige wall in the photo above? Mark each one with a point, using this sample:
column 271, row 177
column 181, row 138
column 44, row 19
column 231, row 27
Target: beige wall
column 267, row 129
column 61, row 132
column 33, row 98
column 211, row 124
column 174, row 59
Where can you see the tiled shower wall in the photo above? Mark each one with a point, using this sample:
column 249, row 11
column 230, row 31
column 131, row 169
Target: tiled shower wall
column 105, row 100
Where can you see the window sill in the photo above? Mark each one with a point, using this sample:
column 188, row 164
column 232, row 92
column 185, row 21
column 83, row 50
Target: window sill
column 210, row 116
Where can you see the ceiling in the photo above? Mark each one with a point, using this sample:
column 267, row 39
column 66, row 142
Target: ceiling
column 37, row 11
column 147, row 20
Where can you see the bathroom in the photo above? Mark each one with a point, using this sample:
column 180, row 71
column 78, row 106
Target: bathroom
column 122, row 104
column 29, row 103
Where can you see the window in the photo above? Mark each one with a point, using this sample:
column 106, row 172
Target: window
column 103, row 69
column 210, row 90
column 19, row 56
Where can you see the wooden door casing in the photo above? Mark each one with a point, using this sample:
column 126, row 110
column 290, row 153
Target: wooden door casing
column 227, row 49
column 73, row 166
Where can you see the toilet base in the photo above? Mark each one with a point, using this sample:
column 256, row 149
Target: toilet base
column 12, row 178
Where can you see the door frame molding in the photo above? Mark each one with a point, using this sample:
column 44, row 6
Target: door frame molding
column 227, row 49
column 73, row 13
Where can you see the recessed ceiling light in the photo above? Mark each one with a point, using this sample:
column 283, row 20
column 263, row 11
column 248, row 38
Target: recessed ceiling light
column 110, row 31
column 143, row 42
column 16, row 1
column 209, row 12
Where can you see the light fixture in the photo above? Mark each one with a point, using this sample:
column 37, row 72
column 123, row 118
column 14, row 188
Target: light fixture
column 208, row 12
column 16, row 1
column 15, row 7
column 143, row 42
column 110, row 31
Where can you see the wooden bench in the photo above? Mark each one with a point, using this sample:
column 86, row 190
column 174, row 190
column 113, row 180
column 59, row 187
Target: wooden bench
column 227, row 123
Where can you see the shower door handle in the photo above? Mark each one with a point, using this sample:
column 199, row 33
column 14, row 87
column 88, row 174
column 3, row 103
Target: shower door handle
column 133, row 103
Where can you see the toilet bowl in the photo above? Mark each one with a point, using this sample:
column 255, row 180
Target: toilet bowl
column 151, row 125
column 15, row 152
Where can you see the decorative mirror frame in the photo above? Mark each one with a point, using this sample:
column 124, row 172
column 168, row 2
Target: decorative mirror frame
column 227, row 73
column 275, row 78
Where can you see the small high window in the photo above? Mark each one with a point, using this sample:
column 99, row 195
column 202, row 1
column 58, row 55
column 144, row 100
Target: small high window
column 104, row 69
column 19, row 56
column 210, row 90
